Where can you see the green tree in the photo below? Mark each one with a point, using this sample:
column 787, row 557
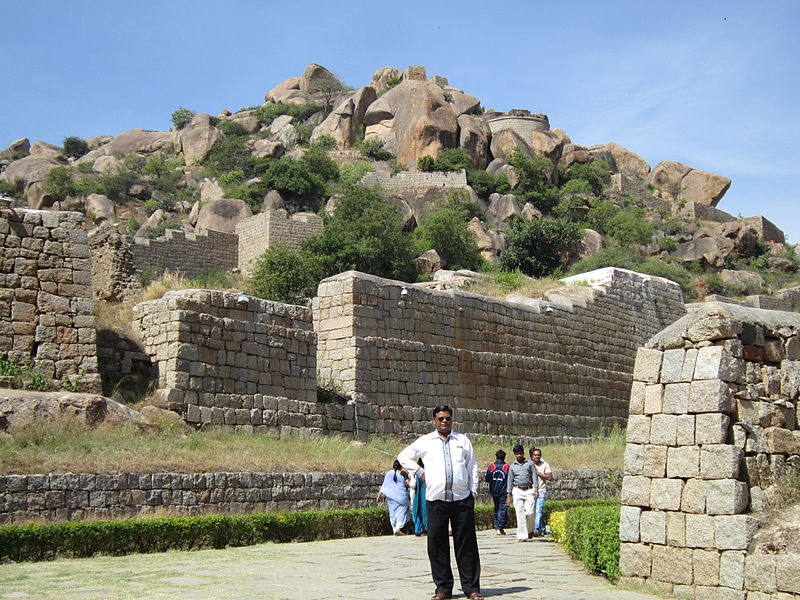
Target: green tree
column 485, row 184
column 534, row 174
column 596, row 174
column 535, row 247
column 444, row 229
column 58, row 184
column 181, row 117
column 75, row 147
column 285, row 275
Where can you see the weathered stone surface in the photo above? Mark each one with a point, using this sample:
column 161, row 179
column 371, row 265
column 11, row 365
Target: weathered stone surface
column 725, row 496
column 705, row 567
column 734, row 532
column 223, row 214
column 699, row 531
column 653, row 527
column 635, row 491
column 502, row 207
column 648, row 365
column 665, row 494
column 760, row 573
column 285, row 91
column 345, row 121
column 672, row 565
column 693, row 499
column 712, row 428
column 664, row 430
column 99, row 208
column 474, row 136
column 683, row 461
column 731, row 569
column 635, row 560
column 710, row 395
column 787, row 573
column 210, row 191
column 720, row 461
column 638, row 430
column 139, row 140
column 196, row 139
column 629, row 523
column 505, row 141
column 548, row 143
column 429, row 262
column 654, row 461
column 654, row 399
column 676, row 529
column 676, row 397
column 382, row 76
column 714, row 362
column 677, row 181
column 627, row 162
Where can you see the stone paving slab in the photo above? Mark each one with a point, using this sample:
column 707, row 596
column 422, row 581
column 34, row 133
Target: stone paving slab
column 374, row 568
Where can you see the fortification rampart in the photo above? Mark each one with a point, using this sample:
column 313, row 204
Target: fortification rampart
column 508, row 368
column 229, row 359
column 787, row 300
column 46, row 303
column 84, row 496
column 712, row 428
column 192, row 254
column 524, row 126
column 272, row 227
column 409, row 181
column 695, row 210
column 766, row 229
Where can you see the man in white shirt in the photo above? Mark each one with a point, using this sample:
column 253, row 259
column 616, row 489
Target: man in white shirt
column 545, row 474
column 451, row 477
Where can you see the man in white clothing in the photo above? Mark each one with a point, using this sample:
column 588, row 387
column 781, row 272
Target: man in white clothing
column 545, row 474
column 451, row 478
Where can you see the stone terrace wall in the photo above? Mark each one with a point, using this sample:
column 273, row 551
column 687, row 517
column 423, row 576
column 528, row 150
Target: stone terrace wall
column 79, row 496
column 508, row 368
column 227, row 358
column 407, row 180
column 785, row 300
column 46, row 303
column 713, row 423
column 192, row 254
column 271, row 227
column 522, row 126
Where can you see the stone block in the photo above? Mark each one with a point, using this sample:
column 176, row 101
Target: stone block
column 720, row 461
column 648, row 365
column 634, row 459
column 653, row 399
column 686, row 430
column 693, row 498
column 635, row 491
column 715, row 362
column 629, row 517
column 672, row 565
column 699, row 531
column 705, row 567
column 711, row 428
column 683, row 461
column 689, row 363
column 653, row 527
column 654, row 462
column 634, row 560
column 676, row 529
column 676, row 398
column 672, row 365
column 638, row 431
column 787, row 573
column 725, row 496
column 664, row 430
column 731, row 569
column 760, row 573
column 636, row 404
column 782, row 441
column 665, row 494
column 790, row 379
column 734, row 532
column 710, row 395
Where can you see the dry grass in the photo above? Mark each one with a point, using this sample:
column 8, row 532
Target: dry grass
column 71, row 447
column 523, row 286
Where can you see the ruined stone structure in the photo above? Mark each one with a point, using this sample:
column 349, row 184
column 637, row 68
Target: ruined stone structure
column 46, row 303
column 89, row 496
column 408, row 181
column 554, row 368
column 712, row 426
column 522, row 124
column 786, row 300
column 192, row 254
column 272, row 227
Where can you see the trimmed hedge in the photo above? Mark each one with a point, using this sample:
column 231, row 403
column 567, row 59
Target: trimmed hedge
column 76, row 539
column 591, row 535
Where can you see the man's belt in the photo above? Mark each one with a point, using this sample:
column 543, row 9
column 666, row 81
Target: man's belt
column 523, row 487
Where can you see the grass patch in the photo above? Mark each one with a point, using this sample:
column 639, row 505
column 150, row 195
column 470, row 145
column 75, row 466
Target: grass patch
column 68, row 446
column 502, row 283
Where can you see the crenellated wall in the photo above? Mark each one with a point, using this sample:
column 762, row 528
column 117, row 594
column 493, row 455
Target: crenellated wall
column 507, row 367
column 271, row 227
column 712, row 428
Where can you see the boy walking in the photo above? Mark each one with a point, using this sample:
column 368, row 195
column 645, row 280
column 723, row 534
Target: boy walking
column 497, row 478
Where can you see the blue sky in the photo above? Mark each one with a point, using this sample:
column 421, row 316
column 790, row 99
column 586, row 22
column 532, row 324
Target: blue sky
column 710, row 84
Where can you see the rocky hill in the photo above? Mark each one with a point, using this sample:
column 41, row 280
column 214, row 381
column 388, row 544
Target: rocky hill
column 423, row 143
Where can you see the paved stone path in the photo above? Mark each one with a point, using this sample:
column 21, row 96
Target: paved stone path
column 376, row 568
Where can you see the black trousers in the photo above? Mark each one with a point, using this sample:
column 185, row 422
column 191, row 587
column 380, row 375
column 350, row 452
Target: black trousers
column 460, row 515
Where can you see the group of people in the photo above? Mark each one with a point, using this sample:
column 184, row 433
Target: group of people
column 441, row 469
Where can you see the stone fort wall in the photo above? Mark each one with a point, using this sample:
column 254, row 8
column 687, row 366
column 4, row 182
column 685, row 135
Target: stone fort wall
column 46, row 302
column 192, row 254
column 712, row 429
column 507, row 368
column 90, row 496
column 523, row 126
column 272, row 227
column 407, row 180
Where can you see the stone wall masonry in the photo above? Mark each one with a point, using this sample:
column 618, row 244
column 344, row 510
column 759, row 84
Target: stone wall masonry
column 509, row 368
column 409, row 181
column 695, row 210
column 271, row 227
column 522, row 126
column 712, row 427
column 89, row 496
column 227, row 358
column 192, row 254
column 785, row 300
column 46, row 302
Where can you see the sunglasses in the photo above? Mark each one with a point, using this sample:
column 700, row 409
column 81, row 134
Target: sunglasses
column 442, row 419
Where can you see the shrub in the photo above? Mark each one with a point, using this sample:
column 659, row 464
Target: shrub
column 75, row 147
column 353, row 172
column 232, row 128
column 591, row 535
column 445, row 230
column 426, row 163
column 485, row 184
column 231, row 177
column 534, row 174
column 58, row 183
column 181, row 117
column 595, row 174
column 629, row 227
column 267, row 113
column 230, row 154
column 284, row 275
column 452, row 159
column 667, row 244
column 8, row 189
column 535, row 247
column 373, row 148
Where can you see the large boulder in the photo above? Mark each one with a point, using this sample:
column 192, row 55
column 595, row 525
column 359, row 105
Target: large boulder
column 315, row 76
column 210, row 191
column 346, row 120
column 383, row 131
column 381, row 77
column 422, row 120
column 491, row 242
column 548, row 143
column 499, row 166
column 287, row 92
column 196, row 139
column 27, row 174
column 502, row 207
column 429, row 262
column 743, row 235
column 460, row 102
column 18, row 148
column 573, row 153
column 23, row 408
column 708, row 246
column 627, row 162
column 223, row 215
column 155, row 220
column 677, row 181
column 139, row 140
column 505, row 141
column 273, row 201
column 747, row 281
column 247, row 119
column 591, row 242
column 99, row 208
column 267, row 149
column 41, row 148
column 474, row 136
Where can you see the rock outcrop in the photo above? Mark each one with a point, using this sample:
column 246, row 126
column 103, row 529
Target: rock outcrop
column 223, row 215
column 676, row 181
